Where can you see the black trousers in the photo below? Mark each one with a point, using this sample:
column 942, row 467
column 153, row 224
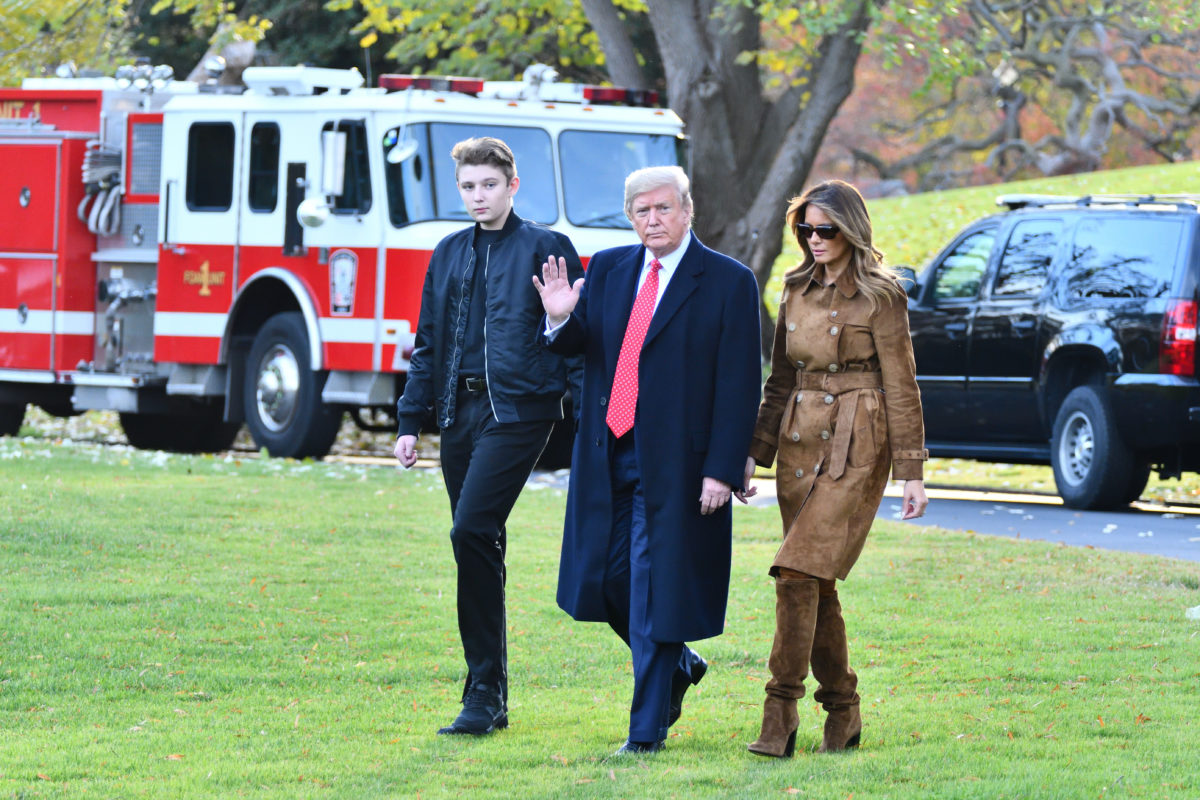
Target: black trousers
column 485, row 464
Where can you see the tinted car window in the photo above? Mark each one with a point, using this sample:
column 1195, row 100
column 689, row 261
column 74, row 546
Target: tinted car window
column 1025, row 265
column 1122, row 258
column 960, row 274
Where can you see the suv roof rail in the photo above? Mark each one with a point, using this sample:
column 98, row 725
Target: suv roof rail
column 1016, row 201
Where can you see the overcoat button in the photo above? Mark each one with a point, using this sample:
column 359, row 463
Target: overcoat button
column 603, row 402
column 824, row 434
column 833, row 314
column 791, row 326
column 833, row 331
column 800, row 364
column 795, row 436
column 833, row 367
column 797, row 398
column 799, row 473
column 828, row 399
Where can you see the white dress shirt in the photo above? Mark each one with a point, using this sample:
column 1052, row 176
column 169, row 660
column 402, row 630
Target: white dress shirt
column 669, row 262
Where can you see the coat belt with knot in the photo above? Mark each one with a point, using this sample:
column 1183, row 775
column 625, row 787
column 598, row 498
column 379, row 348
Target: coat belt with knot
column 837, row 384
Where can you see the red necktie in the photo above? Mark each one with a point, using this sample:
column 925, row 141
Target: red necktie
column 622, row 402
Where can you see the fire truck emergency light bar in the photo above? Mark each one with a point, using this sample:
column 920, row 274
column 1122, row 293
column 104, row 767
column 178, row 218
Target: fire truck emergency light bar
column 548, row 91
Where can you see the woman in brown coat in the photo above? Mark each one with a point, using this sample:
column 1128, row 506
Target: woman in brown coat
column 840, row 408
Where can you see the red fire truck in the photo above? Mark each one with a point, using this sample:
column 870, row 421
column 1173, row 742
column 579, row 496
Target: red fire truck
column 195, row 258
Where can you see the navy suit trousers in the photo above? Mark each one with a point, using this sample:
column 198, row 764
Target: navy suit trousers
column 628, row 598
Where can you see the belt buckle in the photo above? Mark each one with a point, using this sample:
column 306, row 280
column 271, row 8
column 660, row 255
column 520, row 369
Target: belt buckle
column 475, row 384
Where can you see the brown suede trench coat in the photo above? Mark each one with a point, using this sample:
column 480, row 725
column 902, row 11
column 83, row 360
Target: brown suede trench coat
column 840, row 407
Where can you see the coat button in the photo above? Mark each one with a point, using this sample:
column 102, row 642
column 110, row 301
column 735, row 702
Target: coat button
column 833, row 314
column 795, row 436
column 833, row 331
column 828, row 399
column 833, row 367
column 800, row 364
column 603, row 402
column 797, row 399
column 799, row 473
column 824, row 434
column 791, row 326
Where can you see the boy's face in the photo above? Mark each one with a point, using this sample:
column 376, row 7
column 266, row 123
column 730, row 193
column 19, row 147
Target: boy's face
column 487, row 194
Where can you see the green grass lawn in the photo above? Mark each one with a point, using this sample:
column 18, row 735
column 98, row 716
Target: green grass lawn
column 212, row 627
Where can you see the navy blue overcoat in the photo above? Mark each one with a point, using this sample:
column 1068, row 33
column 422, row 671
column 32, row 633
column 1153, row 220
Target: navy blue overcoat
column 699, row 385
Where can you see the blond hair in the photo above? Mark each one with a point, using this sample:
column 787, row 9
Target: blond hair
column 647, row 179
column 845, row 208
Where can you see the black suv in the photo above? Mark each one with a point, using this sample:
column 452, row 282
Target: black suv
column 1063, row 331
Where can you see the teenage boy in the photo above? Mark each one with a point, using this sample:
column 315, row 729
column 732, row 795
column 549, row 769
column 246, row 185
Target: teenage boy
column 480, row 366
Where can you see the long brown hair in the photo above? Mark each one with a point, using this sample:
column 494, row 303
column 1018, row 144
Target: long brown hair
column 845, row 208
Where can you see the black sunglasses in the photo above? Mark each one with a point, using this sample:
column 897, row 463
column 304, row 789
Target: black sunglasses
column 826, row 232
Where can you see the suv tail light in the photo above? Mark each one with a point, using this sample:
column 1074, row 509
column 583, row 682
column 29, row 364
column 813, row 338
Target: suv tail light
column 1177, row 353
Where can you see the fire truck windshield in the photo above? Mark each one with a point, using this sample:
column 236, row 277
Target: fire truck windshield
column 594, row 166
column 421, row 183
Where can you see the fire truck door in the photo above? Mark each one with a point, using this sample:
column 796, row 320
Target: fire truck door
column 198, row 269
column 347, row 247
column 29, row 187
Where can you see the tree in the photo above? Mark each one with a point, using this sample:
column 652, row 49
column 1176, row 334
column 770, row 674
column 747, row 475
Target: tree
column 1049, row 88
column 756, row 83
column 39, row 35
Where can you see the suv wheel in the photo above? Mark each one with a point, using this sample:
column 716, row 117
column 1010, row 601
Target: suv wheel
column 1092, row 466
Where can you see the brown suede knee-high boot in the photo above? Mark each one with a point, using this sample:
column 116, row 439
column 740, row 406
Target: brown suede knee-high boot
column 795, row 620
column 831, row 667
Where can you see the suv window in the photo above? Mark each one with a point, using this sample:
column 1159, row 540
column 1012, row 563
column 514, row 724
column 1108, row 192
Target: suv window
column 1122, row 258
column 1025, row 265
column 960, row 274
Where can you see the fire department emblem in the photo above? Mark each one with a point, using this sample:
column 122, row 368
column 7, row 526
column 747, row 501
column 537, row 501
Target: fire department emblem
column 343, row 273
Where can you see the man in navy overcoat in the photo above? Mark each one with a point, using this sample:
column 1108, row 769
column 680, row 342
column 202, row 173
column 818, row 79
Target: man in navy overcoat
column 647, row 537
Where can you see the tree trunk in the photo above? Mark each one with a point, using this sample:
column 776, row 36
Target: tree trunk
column 619, row 53
column 749, row 153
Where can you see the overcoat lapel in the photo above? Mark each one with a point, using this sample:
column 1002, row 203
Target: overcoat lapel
column 618, row 304
column 683, row 283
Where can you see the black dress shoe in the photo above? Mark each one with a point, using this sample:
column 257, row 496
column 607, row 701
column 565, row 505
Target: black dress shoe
column 483, row 712
column 632, row 748
column 679, row 686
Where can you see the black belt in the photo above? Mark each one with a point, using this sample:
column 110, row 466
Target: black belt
column 472, row 384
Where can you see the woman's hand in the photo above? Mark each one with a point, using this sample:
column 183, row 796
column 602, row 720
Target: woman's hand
column 559, row 295
column 915, row 502
column 747, row 491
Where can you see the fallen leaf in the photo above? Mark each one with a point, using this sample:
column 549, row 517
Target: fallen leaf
column 175, row 757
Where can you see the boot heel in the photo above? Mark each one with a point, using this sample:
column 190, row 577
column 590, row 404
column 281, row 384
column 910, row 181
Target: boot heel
column 853, row 743
column 789, row 749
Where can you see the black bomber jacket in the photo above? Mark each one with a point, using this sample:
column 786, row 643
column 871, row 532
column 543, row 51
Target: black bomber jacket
column 525, row 381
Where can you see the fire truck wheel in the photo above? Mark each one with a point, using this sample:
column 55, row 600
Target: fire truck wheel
column 205, row 433
column 283, row 396
column 11, row 417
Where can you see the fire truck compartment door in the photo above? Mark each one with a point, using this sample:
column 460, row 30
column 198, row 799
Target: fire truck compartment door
column 29, row 197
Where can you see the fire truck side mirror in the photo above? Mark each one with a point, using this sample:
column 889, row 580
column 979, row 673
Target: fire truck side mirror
column 312, row 213
column 333, row 163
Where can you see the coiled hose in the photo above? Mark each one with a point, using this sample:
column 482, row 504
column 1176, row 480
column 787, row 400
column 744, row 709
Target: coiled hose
column 102, row 182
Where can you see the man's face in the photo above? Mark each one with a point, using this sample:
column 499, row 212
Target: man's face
column 660, row 219
column 487, row 194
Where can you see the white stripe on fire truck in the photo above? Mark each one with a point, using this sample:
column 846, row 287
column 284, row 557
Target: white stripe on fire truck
column 212, row 326
column 74, row 323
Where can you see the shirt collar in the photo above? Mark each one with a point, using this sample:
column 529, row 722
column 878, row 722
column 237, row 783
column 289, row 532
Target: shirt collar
column 845, row 282
column 671, row 260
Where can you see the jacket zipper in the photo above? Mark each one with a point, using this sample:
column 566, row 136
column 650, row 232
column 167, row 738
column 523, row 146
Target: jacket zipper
column 486, row 377
column 462, row 299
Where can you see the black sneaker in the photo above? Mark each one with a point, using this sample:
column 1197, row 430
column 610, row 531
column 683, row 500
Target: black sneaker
column 482, row 713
